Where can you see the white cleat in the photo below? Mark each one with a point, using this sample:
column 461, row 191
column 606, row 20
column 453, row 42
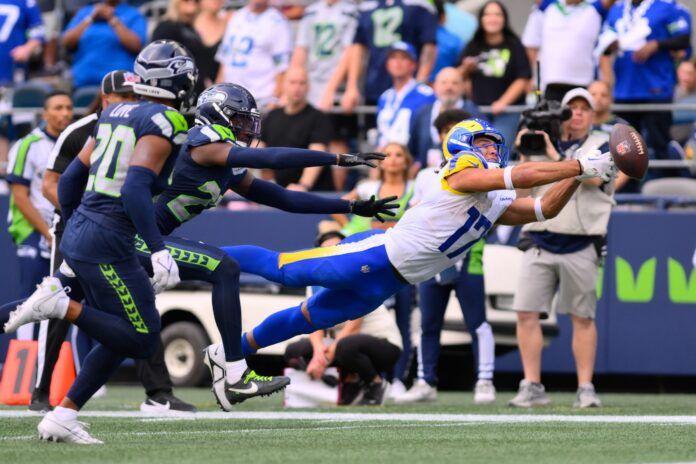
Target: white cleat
column 420, row 392
column 53, row 429
column 214, row 358
column 484, row 392
column 49, row 301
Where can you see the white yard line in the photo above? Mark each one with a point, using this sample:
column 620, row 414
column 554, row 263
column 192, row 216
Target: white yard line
column 397, row 417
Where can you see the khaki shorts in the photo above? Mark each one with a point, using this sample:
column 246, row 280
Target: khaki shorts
column 572, row 275
column 51, row 23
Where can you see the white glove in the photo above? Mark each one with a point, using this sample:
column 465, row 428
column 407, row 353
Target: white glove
column 66, row 270
column 596, row 164
column 165, row 271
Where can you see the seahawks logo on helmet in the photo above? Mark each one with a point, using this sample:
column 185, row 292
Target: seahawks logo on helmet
column 231, row 106
column 211, row 96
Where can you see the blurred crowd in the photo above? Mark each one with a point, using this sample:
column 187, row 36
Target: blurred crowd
column 311, row 65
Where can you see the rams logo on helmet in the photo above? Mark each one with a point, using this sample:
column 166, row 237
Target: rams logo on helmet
column 461, row 137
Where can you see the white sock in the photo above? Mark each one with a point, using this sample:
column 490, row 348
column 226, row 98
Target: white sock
column 65, row 414
column 486, row 349
column 235, row 370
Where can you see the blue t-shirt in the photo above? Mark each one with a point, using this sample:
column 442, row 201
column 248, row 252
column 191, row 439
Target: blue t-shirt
column 118, row 130
column 385, row 22
column 449, row 48
column 20, row 20
column 659, row 19
column 99, row 51
column 396, row 111
column 194, row 188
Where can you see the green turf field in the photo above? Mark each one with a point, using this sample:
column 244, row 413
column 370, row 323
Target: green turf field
column 451, row 430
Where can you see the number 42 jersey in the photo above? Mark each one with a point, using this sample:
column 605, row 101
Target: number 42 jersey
column 441, row 229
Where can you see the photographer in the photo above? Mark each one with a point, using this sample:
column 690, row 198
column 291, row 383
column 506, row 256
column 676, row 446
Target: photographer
column 563, row 255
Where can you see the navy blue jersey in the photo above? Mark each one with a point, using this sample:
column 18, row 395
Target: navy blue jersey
column 385, row 22
column 194, row 188
column 118, row 129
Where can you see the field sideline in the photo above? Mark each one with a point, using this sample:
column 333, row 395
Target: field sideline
column 630, row 429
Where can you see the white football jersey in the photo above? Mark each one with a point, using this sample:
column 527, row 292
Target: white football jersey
column 325, row 31
column 444, row 225
column 254, row 49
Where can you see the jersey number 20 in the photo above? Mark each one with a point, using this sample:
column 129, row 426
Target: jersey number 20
column 110, row 159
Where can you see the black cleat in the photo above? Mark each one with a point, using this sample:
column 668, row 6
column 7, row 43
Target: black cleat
column 251, row 384
column 375, row 394
column 166, row 404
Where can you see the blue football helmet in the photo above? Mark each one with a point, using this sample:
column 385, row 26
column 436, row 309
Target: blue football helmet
column 166, row 70
column 462, row 137
column 231, row 106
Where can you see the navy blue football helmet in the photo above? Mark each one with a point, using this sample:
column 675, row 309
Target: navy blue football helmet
column 167, row 70
column 231, row 106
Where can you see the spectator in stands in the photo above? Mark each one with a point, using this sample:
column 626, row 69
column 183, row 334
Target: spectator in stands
column 30, row 213
column 466, row 279
column 562, row 35
column 362, row 349
column 604, row 119
column 103, row 38
column 299, row 125
column 449, row 45
column 210, row 24
column 22, row 34
column 685, row 92
column 645, row 33
column 398, row 105
column 325, row 32
column 563, row 254
column 425, row 140
column 381, row 24
column 255, row 51
column 178, row 25
column 393, row 182
column 498, row 67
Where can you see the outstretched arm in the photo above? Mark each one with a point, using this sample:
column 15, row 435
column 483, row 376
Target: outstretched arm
column 524, row 210
column 270, row 194
column 220, row 154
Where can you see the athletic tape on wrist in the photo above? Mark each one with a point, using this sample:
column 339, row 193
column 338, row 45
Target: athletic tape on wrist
column 507, row 178
column 537, row 210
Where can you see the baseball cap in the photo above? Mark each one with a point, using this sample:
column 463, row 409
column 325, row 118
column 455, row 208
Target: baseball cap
column 578, row 92
column 119, row 82
column 404, row 47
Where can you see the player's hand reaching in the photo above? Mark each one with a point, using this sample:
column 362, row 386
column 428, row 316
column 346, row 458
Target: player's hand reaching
column 165, row 271
column 359, row 159
column 594, row 163
column 374, row 207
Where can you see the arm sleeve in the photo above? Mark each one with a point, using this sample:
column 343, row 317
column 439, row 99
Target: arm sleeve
column 278, row 158
column 137, row 201
column 71, row 186
column 679, row 21
column 270, row 194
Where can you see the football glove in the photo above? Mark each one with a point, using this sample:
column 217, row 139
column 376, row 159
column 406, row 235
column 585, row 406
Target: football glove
column 359, row 159
column 374, row 207
column 165, row 271
column 594, row 163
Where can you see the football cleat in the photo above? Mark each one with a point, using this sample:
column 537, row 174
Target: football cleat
column 166, row 404
column 484, row 392
column 49, row 301
column 250, row 385
column 53, row 429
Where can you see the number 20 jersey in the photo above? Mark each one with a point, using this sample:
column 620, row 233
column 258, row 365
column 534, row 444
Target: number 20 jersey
column 118, row 129
column 441, row 229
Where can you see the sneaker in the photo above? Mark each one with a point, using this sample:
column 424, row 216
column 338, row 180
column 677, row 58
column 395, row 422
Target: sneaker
column 421, row 391
column 484, row 392
column 250, row 385
column 530, row 394
column 166, row 404
column 40, row 403
column 49, row 301
column 396, row 389
column 375, row 394
column 53, row 429
column 586, row 397
column 351, row 393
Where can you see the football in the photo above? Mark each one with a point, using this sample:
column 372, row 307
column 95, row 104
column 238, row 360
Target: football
column 629, row 151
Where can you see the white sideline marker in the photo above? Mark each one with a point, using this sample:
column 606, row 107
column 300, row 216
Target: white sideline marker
column 386, row 417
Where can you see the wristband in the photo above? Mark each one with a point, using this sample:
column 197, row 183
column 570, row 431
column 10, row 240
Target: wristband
column 507, row 178
column 581, row 168
column 537, row 210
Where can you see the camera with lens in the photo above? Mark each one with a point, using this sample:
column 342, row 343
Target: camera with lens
column 546, row 116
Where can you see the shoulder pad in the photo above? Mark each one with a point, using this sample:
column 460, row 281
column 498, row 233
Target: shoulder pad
column 209, row 133
column 464, row 160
